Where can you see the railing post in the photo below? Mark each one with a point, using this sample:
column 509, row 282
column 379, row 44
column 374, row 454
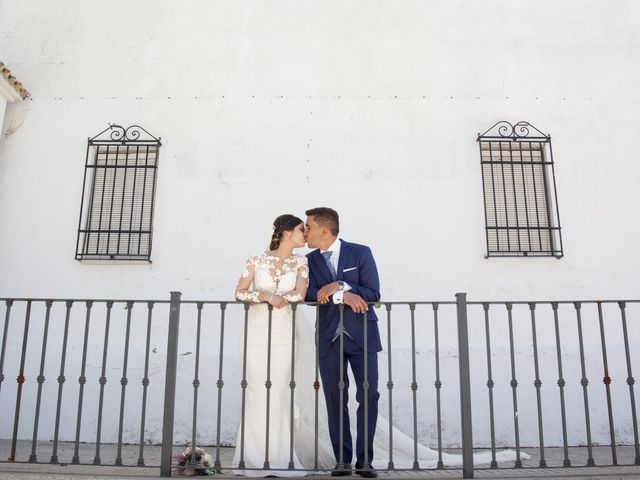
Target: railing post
column 170, row 385
column 465, row 386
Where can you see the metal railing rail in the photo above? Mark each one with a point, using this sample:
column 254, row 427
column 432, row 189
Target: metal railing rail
column 561, row 381
column 61, row 316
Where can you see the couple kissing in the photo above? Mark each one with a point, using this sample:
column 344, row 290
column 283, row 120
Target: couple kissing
column 343, row 279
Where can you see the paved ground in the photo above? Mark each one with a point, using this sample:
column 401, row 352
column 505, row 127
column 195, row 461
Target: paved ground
column 22, row 470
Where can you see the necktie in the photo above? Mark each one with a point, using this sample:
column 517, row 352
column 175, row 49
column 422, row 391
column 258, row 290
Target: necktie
column 327, row 259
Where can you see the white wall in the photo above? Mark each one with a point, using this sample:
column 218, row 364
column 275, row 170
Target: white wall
column 273, row 107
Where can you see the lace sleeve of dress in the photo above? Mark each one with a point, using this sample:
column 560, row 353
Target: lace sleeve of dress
column 302, row 281
column 243, row 289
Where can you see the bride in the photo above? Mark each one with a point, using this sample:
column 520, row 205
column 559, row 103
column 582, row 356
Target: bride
column 277, row 277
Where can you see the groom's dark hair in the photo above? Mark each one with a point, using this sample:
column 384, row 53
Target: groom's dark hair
column 326, row 217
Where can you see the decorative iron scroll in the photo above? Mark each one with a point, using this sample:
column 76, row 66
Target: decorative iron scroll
column 504, row 129
column 119, row 134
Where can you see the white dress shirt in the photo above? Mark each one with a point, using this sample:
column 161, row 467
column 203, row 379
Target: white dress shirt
column 334, row 259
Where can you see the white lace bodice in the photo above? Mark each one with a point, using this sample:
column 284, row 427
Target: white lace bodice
column 266, row 273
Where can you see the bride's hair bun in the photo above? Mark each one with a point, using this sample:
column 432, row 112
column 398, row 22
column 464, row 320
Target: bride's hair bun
column 284, row 223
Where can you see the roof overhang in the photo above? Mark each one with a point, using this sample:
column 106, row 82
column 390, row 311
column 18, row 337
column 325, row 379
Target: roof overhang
column 11, row 89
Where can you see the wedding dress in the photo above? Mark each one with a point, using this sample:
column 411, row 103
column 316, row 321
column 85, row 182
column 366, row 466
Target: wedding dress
column 290, row 280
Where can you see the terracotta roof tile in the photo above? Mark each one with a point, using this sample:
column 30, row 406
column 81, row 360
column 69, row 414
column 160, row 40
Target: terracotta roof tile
column 6, row 73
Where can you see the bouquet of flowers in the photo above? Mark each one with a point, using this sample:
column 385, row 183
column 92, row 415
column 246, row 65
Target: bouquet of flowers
column 203, row 463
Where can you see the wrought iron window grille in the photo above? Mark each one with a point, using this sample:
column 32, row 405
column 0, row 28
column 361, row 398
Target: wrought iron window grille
column 118, row 192
column 520, row 195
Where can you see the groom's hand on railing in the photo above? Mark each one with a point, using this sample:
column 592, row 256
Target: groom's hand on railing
column 355, row 301
column 325, row 292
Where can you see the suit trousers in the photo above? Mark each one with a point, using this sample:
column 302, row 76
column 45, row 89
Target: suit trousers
column 353, row 355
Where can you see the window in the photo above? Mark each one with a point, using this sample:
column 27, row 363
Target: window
column 116, row 214
column 520, row 200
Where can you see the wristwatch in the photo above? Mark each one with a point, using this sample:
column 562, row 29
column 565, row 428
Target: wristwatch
column 340, row 284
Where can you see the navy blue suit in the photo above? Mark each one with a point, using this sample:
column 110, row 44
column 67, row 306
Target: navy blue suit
column 356, row 267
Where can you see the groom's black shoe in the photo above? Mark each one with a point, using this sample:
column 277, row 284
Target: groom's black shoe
column 341, row 472
column 368, row 472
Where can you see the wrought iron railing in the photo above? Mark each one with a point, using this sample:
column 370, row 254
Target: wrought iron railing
column 458, row 345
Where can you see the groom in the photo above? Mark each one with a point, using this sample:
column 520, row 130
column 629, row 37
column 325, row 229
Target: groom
column 345, row 273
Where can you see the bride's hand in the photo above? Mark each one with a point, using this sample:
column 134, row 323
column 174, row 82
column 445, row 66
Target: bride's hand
column 277, row 301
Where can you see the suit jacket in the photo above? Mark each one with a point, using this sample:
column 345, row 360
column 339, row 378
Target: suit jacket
column 356, row 267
